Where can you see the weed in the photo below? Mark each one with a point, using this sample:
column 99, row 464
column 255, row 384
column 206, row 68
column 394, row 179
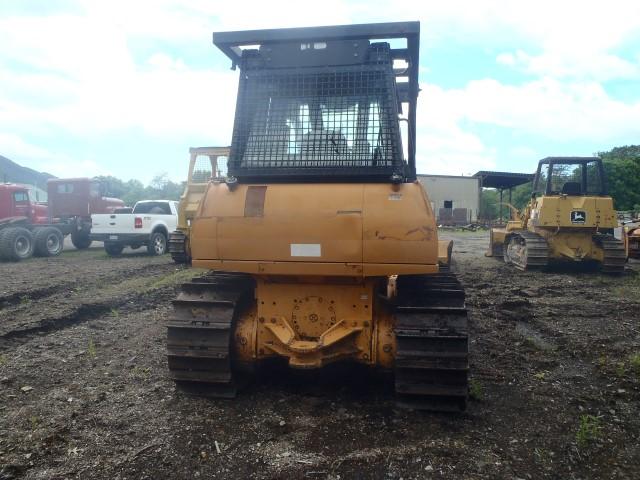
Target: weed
column 540, row 375
column 588, row 431
column 140, row 372
column 25, row 301
column 91, row 349
column 634, row 363
column 475, row 390
column 34, row 421
column 602, row 361
column 115, row 313
column 541, row 455
column 3, row 360
column 621, row 369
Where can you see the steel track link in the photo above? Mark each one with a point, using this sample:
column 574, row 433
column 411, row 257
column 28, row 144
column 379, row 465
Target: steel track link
column 199, row 333
column 615, row 256
column 431, row 365
column 177, row 247
column 534, row 248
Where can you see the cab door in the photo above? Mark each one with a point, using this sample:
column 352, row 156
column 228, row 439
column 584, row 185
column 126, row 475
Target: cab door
column 21, row 204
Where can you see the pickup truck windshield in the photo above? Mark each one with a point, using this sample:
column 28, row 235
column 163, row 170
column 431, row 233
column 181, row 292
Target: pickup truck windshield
column 156, row 208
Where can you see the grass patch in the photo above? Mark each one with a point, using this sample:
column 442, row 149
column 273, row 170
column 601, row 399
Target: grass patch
column 175, row 278
column 540, row 375
column 588, row 430
column 634, row 363
column 475, row 390
column 91, row 349
column 34, row 421
column 602, row 361
column 627, row 287
column 541, row 455
column 140, row 372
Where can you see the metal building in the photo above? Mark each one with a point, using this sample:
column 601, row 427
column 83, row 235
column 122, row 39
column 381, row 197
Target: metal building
column 455, row 199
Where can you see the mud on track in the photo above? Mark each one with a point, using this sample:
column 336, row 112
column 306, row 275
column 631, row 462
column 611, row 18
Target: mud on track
column 84, row 334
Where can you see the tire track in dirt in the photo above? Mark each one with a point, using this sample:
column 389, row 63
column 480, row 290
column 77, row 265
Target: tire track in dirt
column 86, row 312
column 61, row 309
column 17, row 298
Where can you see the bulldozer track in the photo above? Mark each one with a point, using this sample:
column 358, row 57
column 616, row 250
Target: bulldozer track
column 431, row 366
column 177, row 247
column 199, row 333
column 534, row 251
column 615, row 256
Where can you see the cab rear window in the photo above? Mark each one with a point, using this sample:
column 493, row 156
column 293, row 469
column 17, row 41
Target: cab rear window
column 65, row 188
column 155, row 208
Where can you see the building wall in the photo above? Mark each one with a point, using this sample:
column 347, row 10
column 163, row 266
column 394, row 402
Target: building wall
column 464, row 192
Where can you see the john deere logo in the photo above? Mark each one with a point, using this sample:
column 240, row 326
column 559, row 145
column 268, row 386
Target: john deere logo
column 578, row 216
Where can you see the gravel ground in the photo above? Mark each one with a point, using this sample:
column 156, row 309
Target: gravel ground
column 555, row 381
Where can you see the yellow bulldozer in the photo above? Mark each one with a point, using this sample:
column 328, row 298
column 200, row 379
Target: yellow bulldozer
column 321, row 245
column 570, row 218
column 205, row 164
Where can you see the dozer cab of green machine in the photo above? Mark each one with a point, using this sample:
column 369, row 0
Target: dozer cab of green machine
column 570, row 218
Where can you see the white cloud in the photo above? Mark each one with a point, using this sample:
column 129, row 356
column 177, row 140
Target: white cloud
column 75, row 72
column 443, row 146
column 549, row 108
column 575, row 65
column 41, row 159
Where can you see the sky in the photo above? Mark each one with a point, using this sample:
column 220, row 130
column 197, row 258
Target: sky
column 124, row 88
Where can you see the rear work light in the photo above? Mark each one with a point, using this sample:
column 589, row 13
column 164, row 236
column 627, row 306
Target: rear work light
column 138, row 222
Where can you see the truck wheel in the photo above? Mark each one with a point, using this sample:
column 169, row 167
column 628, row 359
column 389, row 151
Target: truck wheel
column 16, row 244
column 113, row 249
column 48, row 242
column 157, row 244
column 80, row 240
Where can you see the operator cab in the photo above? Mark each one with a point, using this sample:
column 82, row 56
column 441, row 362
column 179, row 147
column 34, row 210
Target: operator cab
column 571, row 176
column 324, row 104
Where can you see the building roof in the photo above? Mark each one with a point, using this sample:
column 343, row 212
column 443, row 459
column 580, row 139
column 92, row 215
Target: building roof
column 462, row 177
column 502, row 180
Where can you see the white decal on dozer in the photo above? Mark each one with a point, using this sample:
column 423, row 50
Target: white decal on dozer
column 306, row 250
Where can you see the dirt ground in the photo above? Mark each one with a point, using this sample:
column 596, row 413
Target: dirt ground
column 555, row 381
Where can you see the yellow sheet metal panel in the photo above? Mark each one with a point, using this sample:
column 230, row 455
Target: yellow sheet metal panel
column 574, row 211
column 444, row 251
column 316, row 229
column 315, row 269
column 399, row 225
column 294, row 223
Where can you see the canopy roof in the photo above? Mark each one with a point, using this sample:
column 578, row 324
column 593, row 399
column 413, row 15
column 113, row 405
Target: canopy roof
column 503, row 180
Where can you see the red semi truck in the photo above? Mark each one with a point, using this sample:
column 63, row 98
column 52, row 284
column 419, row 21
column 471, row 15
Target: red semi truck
column 28, row 228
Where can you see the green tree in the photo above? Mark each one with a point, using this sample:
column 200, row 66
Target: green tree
column 622, row 167
column 135, row 191
column 112, row 186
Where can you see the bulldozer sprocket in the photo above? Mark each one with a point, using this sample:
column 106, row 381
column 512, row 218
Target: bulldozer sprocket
column 431, row 365
column 530, row 251
column 614, row 254
column 200, row 330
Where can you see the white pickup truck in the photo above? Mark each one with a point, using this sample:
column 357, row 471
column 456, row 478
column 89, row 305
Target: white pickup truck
column 148, row 224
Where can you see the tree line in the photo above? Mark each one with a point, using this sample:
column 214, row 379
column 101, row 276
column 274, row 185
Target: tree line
column 160, row 188
column 622, row 169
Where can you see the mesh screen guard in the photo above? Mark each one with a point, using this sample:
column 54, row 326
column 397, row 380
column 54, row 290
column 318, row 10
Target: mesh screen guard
column 322, row 123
